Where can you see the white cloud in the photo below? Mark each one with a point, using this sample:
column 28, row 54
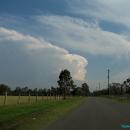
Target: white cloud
column 34, row 61
column 86, row 37
column 72, row 59
column 110, row 10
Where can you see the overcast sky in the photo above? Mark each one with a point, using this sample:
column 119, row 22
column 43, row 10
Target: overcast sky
column 39, row 38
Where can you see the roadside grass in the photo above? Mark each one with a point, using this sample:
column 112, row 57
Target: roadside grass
column 119, row 99
column 35, row 116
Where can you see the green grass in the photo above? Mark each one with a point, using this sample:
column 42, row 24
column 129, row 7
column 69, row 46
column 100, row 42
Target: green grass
column 35, row 116
column 119, row 99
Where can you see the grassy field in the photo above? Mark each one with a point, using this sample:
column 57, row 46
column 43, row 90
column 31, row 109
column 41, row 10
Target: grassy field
column 12, row 100
column 35, row 116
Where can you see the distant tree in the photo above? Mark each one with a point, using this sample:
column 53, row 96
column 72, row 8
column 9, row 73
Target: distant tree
column 128, row 86
column 59, row 91
column 128, row 80
column 4, row 88
column 53, row 91
column 85, row 89
column 115, row 89
column 40, row 92
column 48, row 92
column 44, row 92
column 25, row 91
column 74, row 90
column 78, row 91
column 35, row 91
column 65, row 81
column 17, row 91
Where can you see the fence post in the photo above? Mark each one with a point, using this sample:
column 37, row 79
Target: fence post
column 5, row 98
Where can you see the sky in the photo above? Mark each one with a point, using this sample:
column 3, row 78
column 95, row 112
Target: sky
column 39, row 38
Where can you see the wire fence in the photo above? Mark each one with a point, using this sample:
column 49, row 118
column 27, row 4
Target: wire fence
column 12, row 100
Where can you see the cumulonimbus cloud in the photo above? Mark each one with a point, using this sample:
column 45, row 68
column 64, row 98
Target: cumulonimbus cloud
column 34, row 61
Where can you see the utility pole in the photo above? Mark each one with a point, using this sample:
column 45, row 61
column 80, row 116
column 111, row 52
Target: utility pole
column 108, row 81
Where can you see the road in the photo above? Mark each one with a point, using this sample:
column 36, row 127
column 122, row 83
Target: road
column 95, row 114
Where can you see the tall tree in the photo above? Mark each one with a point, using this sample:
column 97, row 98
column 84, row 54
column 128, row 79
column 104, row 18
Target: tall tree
column 65, row 81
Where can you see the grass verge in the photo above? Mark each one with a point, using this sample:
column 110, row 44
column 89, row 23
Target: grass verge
column 118, row 98
column 35, row 116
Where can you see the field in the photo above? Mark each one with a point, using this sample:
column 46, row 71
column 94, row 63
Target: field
column 12, row 100
column 35, row 116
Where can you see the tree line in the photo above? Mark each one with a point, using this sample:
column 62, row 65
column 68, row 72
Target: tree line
column 66, row 87
column 115, row 89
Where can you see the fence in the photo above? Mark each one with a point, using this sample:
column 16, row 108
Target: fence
column 12, row 100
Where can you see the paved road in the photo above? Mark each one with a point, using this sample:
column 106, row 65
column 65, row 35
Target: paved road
column 95, row 114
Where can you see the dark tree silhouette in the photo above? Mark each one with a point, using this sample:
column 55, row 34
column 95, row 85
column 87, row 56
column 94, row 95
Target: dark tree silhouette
column 85, row 89
column 25, row 91
column 4, row 88
column 17, row 91
column 128, row 85
column 65, row 82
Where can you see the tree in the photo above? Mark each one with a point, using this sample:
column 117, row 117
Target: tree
column 40, row 92
column 35, row 91
column 85, row 89
column 74, row 90
column 65, row 82
column 44, row 92
column 17, row 91
column 128, row 80
column 52, row 91
column 128, row 86
column 25, row 91
column 4, row 88
column 78, row 91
